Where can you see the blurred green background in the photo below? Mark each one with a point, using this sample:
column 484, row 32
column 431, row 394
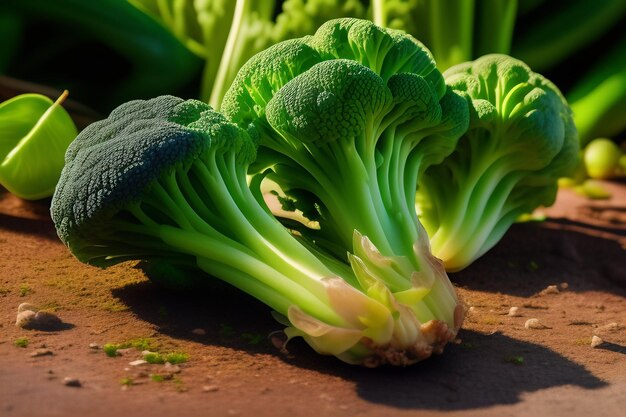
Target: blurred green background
column 106, row 52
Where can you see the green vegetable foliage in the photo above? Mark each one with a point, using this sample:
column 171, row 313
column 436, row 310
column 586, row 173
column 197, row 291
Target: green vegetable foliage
column 521, row 139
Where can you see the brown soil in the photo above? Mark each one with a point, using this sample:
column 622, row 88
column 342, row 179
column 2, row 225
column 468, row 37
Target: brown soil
column 499, row 369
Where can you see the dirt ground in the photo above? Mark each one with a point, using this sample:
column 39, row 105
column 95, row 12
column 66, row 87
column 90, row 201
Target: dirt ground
column 499, row 368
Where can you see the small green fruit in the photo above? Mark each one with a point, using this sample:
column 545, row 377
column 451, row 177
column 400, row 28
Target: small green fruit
column 602, row 158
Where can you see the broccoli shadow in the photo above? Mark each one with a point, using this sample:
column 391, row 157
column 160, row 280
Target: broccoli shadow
column 584, row 256
column 227, row 316
column 483, row 371
column 27, row 217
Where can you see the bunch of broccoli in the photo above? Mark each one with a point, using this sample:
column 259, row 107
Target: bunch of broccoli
column 347, row 124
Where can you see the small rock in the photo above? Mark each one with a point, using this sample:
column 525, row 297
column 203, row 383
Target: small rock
column 535, row 324
column 199, row 332
column 41, row 352
column 514, row 312
column 94, row 346
column 564, row 285
column 172, row 369
column 71, row 382
column 125, row 351
column 210, row 388
column 25, row 319
column 27, row 307
column 137, row 362
column 148, row 352
column 550, row 289
column 596, row 341
column 40, row 320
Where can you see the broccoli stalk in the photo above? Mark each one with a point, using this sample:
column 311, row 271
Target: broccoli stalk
column 521, row 139
column 166, row 180
column 348, row 118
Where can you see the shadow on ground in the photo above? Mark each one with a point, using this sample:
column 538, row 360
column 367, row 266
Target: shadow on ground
column 484, row 370
column 27, row 217
column 585, row 256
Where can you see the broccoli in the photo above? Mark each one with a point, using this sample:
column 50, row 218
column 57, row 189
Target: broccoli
column 348, row 119
column 521, row 139
column 166, row 180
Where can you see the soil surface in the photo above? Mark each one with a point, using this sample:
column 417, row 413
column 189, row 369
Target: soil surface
column 569, row 272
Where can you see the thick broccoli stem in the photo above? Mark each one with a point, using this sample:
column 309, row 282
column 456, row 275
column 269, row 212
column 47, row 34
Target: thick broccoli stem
column 253, row 275
column 316, row 167
column 389, row 222
column 271, row 265
column 486, row 190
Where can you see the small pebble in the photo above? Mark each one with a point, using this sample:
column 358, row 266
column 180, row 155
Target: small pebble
column 596, row 341
column 550, row 289
column 125, row 351
column 564, row 285
column 27, row 307
column 210, row 388
column 37, row 320
column 514, row 312
column 137, row 362
column 172, row 369
column 94, row 346
column 25, row 318
column 535, row 324
column 71, row 382
column 41, row 352
column 199, row 332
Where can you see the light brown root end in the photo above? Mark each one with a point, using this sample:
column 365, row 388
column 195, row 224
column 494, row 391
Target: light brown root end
column 436, row 334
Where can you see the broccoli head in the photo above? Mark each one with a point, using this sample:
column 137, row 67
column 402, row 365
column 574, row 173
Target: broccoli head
column 347, row 120
column 521, row 139
column 165, row 180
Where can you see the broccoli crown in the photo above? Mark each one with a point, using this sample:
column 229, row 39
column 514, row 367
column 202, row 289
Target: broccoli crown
column 384, row 51
column 526, row 111
column 334, row 99
column 521, row 139
column 113, row 162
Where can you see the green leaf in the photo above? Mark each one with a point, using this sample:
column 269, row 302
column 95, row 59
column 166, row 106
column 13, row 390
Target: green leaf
column 34, row 135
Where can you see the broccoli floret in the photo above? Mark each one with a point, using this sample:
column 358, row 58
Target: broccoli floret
column 348, row 118
column 521, row 139
column 166, row 180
